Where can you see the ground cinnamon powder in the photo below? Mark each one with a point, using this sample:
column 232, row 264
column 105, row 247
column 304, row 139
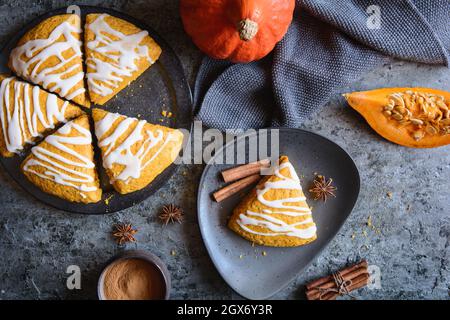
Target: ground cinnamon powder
column 133, row 279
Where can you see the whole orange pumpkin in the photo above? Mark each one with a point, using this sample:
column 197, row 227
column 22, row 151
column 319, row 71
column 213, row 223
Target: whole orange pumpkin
column 237, row 30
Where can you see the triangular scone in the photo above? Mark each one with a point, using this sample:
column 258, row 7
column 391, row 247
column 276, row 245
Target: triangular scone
column 117, row 52
column 275, row 213
column 63, row 165
column 50, row 55
column 134, row 152
column 27, row 112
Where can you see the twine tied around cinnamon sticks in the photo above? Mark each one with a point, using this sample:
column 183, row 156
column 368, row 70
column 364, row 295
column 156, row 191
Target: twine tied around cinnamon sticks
column 342, row 286
column 340, row 283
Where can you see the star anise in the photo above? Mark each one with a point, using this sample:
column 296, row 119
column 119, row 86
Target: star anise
column 124, row 233
column 322, row 188
column 171, row 213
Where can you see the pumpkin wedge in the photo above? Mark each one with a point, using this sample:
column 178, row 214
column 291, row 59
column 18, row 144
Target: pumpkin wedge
column 411, row 117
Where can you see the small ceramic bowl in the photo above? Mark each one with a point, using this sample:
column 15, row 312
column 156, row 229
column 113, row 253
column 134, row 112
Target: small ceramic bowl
column 136, row 254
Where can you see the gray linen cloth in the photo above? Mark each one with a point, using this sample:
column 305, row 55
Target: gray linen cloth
column 329, row 44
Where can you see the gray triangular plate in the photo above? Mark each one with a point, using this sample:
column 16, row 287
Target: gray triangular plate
column 242, row 266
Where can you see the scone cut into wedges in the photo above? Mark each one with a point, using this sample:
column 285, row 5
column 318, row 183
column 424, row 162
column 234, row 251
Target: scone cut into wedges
column 50, row 55
column 63, row 164
column 134, row 152
column 117, row 52
column 27, row 113
column 275, row 213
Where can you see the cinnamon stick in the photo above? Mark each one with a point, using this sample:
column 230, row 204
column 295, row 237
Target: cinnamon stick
column 245, row 170
column 357, row 274
column 327, row 296
column 345, row 271
column 314, row 293
column 357, row 282
column 235, row 187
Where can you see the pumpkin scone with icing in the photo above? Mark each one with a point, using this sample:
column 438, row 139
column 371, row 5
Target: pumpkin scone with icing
column 63, row 164
column 275, row 213
column 134, row 152
column 27, row 112
column 50, row 55
column 117, row 52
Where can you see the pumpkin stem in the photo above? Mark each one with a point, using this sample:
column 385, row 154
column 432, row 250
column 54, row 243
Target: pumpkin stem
column 247, row 29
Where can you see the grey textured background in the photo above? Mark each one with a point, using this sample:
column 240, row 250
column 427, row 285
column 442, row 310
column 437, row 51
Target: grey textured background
column 410, row 241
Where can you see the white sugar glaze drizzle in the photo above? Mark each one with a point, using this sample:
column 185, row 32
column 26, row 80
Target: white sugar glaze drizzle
column 20, row 125
column 122, row 154
column 64, row 171
column 122, row 52
column 279, row 207
column 38, row 51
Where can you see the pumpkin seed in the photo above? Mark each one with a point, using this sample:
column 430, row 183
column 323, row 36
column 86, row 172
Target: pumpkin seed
column 397, row 116
column 431, row 130
column 387, row 113
column 408, row 113
column 442, row 105
column 445, row 122
column 418, row 135
column 400, row 109
column 417, row 122
column 388, row 108
column 398, row 100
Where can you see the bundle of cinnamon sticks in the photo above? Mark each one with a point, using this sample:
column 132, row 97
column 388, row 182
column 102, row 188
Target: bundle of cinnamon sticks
column 241, row 177
column 340, row 283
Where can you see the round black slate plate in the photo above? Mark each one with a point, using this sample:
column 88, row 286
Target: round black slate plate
column 242, row 265
column 163, row 87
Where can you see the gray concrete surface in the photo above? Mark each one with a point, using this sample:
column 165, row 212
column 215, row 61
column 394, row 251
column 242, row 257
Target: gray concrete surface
column 411, row 246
